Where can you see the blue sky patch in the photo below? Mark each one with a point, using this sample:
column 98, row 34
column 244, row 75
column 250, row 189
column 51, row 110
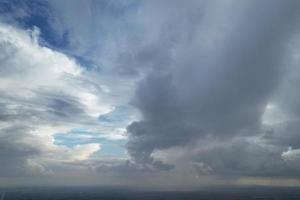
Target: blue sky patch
column 118, row 115
column 35, row 14
column 80, row 136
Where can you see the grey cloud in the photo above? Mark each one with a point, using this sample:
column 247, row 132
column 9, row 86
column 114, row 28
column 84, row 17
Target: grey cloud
column 218, row 81
column 14, row 152
column 283, row 127
column 48, row 107
column 246, row 158
column 283, row 134
column 61, row 108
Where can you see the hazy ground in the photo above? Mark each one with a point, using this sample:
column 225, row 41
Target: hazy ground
column 108, row 193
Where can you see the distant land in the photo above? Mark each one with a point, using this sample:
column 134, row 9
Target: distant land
column 116, row 193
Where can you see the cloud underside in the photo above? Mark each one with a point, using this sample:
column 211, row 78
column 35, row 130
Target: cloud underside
column 216, row 90
column 220, row 88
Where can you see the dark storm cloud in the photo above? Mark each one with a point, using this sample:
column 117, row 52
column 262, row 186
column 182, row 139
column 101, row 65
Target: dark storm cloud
column 215, row 82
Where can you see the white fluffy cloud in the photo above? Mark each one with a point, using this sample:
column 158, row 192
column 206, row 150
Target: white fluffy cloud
column 43, row 93
column 291, row 155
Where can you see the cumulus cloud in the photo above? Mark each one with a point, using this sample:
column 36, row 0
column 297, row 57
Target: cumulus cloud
column 41, row 94
column 215, row 79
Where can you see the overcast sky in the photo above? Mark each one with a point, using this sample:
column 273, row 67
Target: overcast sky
column 155, row 94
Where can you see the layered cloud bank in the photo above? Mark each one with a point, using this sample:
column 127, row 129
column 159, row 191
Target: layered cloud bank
column 199, row 91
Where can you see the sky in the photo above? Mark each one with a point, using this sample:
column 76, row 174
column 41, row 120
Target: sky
column 164, row 94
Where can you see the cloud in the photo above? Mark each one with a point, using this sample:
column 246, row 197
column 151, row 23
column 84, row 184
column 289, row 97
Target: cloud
column 245, row 157
column 41, row 94
column 14, row 151
column 291, row 155
column 213, row 89
column 104, row 35
column 83, row 152
column 212, row 79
